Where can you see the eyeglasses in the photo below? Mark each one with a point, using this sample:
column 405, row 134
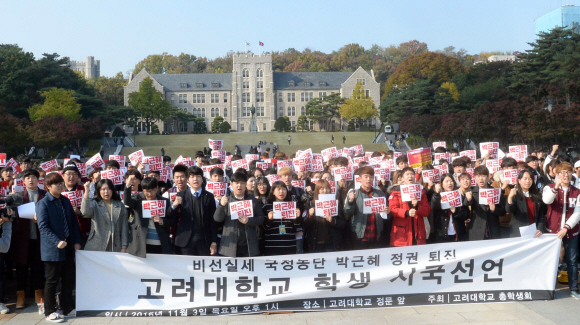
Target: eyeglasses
column 70, row 174
column 564, row 173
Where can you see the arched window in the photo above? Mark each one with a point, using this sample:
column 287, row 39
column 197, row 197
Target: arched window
column 289, row 111
column 302, row 111
column 212, row 112
column 217, row 112
column 225, row 112
column 259, row 73
column 203, row 112
column 293, row 111
column 245, row 73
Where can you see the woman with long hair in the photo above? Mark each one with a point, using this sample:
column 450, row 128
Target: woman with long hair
column 109, row 220
column 525, row 204
column 449, row 223
column 279, row 234
column 323, row 232
column 262, row 189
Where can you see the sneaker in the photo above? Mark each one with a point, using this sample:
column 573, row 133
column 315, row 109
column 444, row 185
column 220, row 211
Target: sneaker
column 54, row 318
column 575, row 294
column 3, row 309
column 60, row 313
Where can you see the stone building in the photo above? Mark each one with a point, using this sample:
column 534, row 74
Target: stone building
column 251, row 83
column 91, row 68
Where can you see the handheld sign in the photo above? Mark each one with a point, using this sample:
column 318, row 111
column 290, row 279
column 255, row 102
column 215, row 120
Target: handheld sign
column 115, row 175
column 2, row 160
column 284, row 210
column 431, row 175
column 439, row 144
column 96, row 161
column 216, row 144
column 511, row 175
column 468, row 153
column 342, row 173
column 153, row 208
column 519, row 153
column 75, row 197
column 136, row 157
column 49, row 165
column 217, row 188
column 241, row 209
column 410, row 192
column 326, row 205
column 450, row 199
column 419, row 157
column 219, row 154
column 489, row 147
column 489, row 195
column 119, row 159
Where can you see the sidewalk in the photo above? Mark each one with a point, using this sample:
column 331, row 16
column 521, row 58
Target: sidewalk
column 562, row 310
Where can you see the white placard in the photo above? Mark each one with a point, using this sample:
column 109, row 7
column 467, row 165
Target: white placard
column 153, row 208
column 27, row 211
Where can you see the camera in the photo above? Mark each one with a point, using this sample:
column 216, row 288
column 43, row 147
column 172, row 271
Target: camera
column 11, row 201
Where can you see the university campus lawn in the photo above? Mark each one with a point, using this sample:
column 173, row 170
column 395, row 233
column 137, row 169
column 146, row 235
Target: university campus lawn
column 188, row 144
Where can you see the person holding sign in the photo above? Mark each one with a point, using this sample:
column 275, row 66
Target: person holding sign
column 26, row 244
column 324, row 232
column 448, row 213
column 71, row 176
column 279, row 233
column 240, row 235
column 60, row 238
column 197, row 231
column 484, row 217
column 525, row 204
column 147, row 235
column 409, row 215
column 562, row 218
column 109, row 220
column 366, row 228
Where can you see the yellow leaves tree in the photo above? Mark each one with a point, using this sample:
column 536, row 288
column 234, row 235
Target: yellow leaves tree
column 453, row 91
column 57, row 102
column 359, row 106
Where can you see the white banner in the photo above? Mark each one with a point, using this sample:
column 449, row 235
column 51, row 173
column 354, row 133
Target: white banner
column 514, row 269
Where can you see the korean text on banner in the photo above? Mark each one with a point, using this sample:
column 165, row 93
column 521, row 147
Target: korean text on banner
column 450, row 199
column 75, row 197
column 439, row 144
column 119, row 159
column 115, row 175
column 284, row 210
column 419, row 157
column 469, row 153
column 431, row 175
column 217, row 188
column 511, row 175
column 489, row 147
column 216, row 144
column 410, row 192
column 489, row 195
column 519, row 153
column 96, row 161
column 326, row 205
column 374, row 205
column 442, row 274
column 136, row 157
column 241, row 209
column 153, row 208
column 2, row 160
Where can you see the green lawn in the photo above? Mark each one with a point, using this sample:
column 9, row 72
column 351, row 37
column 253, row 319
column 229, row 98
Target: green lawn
column 188, row 144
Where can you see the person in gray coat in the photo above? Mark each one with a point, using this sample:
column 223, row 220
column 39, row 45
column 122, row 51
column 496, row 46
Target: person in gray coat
column 109, row 224
column 239, row 236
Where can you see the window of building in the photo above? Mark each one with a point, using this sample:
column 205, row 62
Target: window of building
column 321, row 94
column 362, row 81
column 225, row 97
column 199, row 85
column 225, row 112
column 291, row 83
column 245, row 85
column 307, row 84
column 182, row 98
column 264, row 127
column 213, row 112
column 172, row 99
column 367, row 93
column 245, row 73
column 280, row 97
column 260, row 111
column 244, row 111
column 203, row 112
column 293, row 124
column 322, row 83
column 291, row 97
column 281, row 112
column 302, row 111
column 259, row 73
column 259, row 97
column 203, row 98
column 306, row 97
column 183, row 85
column 241, row 127
column 291, row 111
column 215, row 84
column 245, row 97
column 199, row 98
column 217, row 112
column 183, row 127
column 259, row 84
column 215, row 98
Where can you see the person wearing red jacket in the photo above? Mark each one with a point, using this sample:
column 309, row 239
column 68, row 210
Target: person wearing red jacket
column 408, row 217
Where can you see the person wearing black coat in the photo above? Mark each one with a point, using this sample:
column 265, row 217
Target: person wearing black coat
column 526, row 206
column 447, row 230
column 197, row 231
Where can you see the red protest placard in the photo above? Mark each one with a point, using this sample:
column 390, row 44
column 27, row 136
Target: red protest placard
column 411, row 191
column 273, row 178
column 152, row 163
column 317, row 165
column 342, row 173
column 264, row 165
column 119, row 159
column 519, row 153
column 219, row 154
column 284, row 163
column 284, row 210
column 75, row 197
column 493, row 165
column 136, row 157
column 302, row 164
column 300, row 184
column 241, row 209
column 4, row 188
column 511, row 175
column 383, row 173
column 228, row 161
column 172, row 196
column 326, row 205
column 419, row 157
column 166, row 174
column 439, row 144
column 153, row 208
column 96, row 161
column 374, row 205
column 468, row 153
column 215, row 144
column 347, row 152
column 2, row 160
column 471, row 173
column 217, row 188
column 358, row 160
column 431, row 175
column 450, row 199
column 489, row 195
column 441, row 155
column 185, row 161
column 330, row 153
column 14, row 164
column 115, row 175
column 49, row 165
column 357, row 150
column 82, row 169
column 489, row 147
column 240, row 163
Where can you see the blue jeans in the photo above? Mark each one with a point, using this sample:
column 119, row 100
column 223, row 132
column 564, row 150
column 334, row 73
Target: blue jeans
column 570, row 255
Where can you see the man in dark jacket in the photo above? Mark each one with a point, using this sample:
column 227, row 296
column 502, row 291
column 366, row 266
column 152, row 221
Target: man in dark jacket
column 60, row 238
column 484, row 217
column 196, row 230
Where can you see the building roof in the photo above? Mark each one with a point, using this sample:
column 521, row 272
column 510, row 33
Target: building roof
column 173, row 81
column 330, row 80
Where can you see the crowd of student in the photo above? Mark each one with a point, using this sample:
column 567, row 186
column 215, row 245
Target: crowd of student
column 197, row 222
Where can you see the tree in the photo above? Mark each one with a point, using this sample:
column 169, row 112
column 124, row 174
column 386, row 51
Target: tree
column 57, row 102
column 149, row 104
column 282, row 124
column 183, row 63
column 216, row 124
column 416, row 99
column 14, row 137
column 225, row 127
column 110, row 90
column 179, row 116
column 199, row 126
column 359, row 106
column 323, row 110
column 436, row 66
column 302, row 124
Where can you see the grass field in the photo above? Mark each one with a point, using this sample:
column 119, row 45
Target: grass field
column 188, row 144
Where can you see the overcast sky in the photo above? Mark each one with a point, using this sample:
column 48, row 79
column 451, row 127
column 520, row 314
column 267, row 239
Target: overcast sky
column 121, row 33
